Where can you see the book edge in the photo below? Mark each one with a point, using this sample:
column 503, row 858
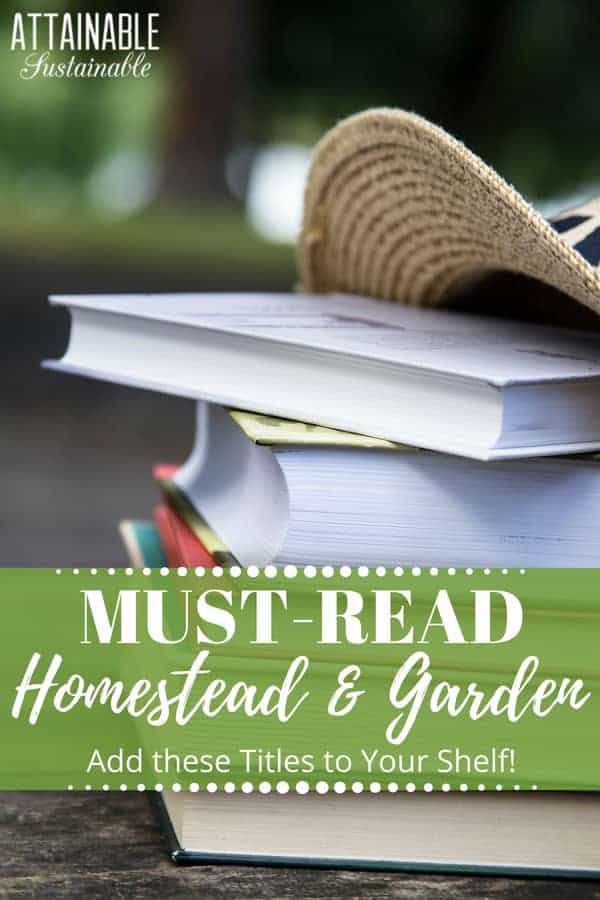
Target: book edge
column 186, row 856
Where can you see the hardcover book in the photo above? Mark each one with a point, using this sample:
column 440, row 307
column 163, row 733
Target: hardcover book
column 180, row 544
column 265, row 490
column 451, row 382
column 529, row 833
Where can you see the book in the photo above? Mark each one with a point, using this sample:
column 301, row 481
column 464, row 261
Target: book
column 462, row 384
column 272, row 497
column 370, row 383
column 526, row 833
column 198, row 529
column 142, row 543
column 180, row 544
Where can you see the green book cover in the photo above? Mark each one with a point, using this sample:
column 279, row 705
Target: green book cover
column 142, row 543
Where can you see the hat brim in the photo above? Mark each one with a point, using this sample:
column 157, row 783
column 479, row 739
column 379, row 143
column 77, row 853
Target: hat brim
column 396, row 208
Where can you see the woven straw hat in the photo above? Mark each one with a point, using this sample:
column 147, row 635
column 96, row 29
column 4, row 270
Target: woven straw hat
column 397, row 208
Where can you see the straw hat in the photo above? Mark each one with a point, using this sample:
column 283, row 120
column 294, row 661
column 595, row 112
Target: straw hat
column 397, row 208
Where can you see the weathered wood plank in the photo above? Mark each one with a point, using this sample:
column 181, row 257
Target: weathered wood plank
column 108, row 846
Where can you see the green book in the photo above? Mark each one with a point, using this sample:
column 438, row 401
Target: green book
column 142, row 543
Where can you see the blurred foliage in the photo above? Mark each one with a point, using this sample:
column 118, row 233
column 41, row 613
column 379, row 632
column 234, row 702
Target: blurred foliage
column 516, row 80
column 53, row 129
column 211, row 240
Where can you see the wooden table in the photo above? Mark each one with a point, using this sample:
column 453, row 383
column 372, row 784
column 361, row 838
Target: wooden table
column 108, row 845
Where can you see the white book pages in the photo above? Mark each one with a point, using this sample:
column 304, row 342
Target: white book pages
column 492, row 350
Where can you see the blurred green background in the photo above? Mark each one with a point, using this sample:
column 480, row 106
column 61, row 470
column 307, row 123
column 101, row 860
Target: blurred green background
column 516, row 81
column 192, row 179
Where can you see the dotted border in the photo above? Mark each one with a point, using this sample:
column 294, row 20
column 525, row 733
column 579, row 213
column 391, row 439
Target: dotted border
column 303, row 787
column 295, row 571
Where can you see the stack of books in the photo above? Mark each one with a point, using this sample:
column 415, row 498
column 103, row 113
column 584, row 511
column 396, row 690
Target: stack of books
column 386, row 388
column 320, row 426
column 300, row 493
column 335, row 428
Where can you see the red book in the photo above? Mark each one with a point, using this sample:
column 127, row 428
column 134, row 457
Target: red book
column 180, row 545
column 185, row 531
column 163, row 471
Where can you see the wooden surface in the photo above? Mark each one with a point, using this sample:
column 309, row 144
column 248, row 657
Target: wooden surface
column 79, row 456
column 89, row 845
